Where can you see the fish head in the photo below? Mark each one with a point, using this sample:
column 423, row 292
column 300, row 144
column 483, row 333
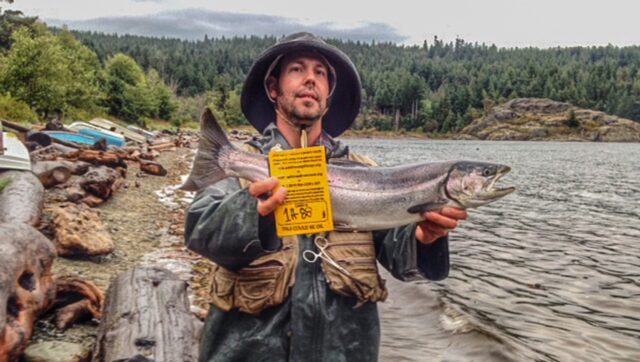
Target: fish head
column 472, row 184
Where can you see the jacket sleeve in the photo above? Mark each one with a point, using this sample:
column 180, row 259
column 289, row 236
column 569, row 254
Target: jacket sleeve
column 408, row 259
column 223, row 225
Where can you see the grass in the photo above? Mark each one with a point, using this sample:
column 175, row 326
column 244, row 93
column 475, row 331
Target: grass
column 4, row 182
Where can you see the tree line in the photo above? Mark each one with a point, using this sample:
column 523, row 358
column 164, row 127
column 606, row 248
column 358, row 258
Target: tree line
column 46, row 74
column 435, row 87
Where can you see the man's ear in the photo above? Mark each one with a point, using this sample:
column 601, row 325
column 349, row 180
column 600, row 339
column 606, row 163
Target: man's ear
column 272, row 87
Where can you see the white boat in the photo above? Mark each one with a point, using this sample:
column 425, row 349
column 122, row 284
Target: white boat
column 13, row 154
column 113, row 127
column 144, row 132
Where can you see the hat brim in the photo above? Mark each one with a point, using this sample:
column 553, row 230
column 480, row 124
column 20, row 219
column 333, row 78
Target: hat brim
column 345, row 101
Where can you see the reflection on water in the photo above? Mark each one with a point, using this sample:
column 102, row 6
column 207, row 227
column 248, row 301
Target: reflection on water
column 551, row 272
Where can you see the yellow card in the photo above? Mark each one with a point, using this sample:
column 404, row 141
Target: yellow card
column 303, row 172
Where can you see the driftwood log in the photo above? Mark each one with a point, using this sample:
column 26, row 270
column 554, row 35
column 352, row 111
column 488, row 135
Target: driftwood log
column 26, row 286
column 51, row 152
column 153, row 168
column 147, row 314
column 77, row 167
column 163, row 146
column 76, row 300
column 105, row 158
column 78, row 231
column 102, row 181
column 21, row 199
column 51, row 173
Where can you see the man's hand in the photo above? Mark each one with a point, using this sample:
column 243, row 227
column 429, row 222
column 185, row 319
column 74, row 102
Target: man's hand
column 437, row 224
column 267, row 203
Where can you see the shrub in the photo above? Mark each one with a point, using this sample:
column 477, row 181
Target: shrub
column 15, row 110
column 572, row 121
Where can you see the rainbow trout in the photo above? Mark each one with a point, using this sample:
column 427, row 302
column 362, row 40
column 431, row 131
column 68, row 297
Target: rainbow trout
column 363, row 198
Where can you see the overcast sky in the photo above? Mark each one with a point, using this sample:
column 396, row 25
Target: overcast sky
column 506, row 23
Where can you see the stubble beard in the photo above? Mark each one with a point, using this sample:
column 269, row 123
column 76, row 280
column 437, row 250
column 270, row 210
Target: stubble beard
column 298, row 115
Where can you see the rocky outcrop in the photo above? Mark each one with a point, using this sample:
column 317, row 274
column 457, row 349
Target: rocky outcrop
column 535, row 119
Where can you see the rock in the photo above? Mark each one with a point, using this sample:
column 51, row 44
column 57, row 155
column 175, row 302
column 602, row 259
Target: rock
column 79, row 231
column 56, row 351
column 547, row 120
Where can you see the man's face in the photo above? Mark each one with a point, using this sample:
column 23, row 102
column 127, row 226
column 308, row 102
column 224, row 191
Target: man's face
column 302, row 88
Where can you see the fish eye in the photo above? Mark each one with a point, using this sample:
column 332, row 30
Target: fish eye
column 486, row 172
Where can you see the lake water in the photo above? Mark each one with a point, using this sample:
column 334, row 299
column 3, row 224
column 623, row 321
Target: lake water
column 551, row 272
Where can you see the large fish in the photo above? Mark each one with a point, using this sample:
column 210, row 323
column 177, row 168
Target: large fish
column 363, row 198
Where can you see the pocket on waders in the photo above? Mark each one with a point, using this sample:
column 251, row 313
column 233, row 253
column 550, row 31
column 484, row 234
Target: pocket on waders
column 355, row 253
column 262, row 284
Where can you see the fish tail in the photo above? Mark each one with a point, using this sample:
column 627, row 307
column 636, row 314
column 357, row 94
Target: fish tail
column 213, row 145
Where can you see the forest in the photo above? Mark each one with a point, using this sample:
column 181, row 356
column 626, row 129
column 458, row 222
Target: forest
column 437, row 87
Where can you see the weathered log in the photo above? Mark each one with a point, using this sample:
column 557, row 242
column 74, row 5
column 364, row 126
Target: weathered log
column 153, row 168
column 78, row 230
column 77, row 167
column 51, row 173
column 14, row 126
column 107, row 158
column 21, row 199
column 70, row 314
column 147, row 313
column 101, row 181
column 51, row 152
column 77, row 300
column 26, row 287
column 162, row 146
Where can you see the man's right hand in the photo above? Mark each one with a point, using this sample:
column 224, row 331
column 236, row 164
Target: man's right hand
column 260, row 189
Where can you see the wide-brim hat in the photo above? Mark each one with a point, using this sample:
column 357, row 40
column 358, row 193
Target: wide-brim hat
column 345, row 98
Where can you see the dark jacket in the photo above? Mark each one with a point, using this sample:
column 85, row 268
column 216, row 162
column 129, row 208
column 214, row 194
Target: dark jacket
column 314, row 323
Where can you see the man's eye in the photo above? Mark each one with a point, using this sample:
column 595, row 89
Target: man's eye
column 321, row 73
column 296, row 69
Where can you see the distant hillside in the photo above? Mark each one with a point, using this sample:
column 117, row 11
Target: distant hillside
column 537, row 119
column 435, row 87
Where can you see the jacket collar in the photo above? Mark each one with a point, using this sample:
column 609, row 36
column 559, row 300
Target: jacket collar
column 272, row 137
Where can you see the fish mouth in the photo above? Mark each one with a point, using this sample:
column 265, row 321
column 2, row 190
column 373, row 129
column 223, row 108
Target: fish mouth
column 489, row 190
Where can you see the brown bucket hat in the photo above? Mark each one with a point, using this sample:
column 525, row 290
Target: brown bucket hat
column 344, row 100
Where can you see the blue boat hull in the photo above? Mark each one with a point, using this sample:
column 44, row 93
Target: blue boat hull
column 97, row 135
column 71, row 137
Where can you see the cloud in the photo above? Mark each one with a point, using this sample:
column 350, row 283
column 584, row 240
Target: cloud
column 195, row 23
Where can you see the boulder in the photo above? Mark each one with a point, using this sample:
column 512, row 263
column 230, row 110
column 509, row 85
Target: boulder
column 547, row 120
column 56, row 351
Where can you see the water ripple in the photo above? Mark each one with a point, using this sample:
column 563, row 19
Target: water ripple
column 552, row 272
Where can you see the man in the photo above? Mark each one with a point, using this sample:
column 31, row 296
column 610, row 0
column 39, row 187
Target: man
column 270, row 304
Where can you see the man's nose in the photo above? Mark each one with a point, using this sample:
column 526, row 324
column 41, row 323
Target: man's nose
column 310, row 77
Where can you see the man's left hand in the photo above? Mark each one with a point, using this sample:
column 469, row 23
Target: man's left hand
column 437, row 224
